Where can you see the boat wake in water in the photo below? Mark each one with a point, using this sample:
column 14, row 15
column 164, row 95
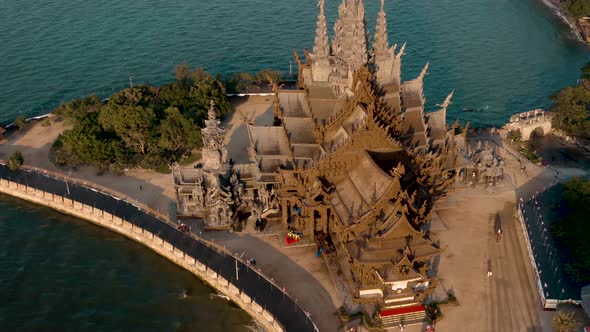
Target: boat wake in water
column 219, row 295
column 186, row 293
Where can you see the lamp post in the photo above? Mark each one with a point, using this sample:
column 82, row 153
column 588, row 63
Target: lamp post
column 67, row 186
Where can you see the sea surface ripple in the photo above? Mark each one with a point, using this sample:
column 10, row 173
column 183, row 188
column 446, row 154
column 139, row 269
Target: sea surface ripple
column 500, row 56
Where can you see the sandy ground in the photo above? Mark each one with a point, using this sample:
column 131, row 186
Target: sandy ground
column 157, row 190
column 507, row 301
column 253, row 110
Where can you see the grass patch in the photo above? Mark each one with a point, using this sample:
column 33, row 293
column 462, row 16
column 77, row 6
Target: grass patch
column 529, row 155
column 190, row 159
column 164, row 169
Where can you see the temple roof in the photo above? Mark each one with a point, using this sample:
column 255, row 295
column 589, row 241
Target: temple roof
column 293, row 104
column 363, row 184
column 269, row 140
column 299, row 130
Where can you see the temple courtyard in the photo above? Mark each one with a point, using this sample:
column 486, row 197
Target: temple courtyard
column 464, row 226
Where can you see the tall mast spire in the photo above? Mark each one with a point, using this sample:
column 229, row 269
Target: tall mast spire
column 381, row 43
column 320, row 48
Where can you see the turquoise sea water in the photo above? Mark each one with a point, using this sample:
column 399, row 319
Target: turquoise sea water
column 500, row 57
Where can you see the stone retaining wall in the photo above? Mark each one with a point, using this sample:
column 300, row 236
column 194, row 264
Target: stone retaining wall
column 146, row 238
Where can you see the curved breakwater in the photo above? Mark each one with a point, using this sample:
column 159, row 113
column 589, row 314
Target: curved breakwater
column 252, row 291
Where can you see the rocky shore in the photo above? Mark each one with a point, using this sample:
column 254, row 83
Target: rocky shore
column 581, row 26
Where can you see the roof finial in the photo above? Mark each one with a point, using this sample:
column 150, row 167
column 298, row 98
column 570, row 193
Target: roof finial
column 321, row 48
column 381, row 42
column 321, row 5
column 424, row 70
column 212, row 113
column 447, row 101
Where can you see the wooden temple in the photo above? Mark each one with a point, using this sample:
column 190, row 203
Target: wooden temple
column 354, row 162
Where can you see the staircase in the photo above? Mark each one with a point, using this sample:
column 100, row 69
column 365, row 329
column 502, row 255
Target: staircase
column 406, row 315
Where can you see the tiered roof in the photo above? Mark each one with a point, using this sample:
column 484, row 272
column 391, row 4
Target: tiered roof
column 364, row 132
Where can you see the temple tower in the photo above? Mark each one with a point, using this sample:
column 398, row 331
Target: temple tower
column 214, row 150
column 384, row 59
column 321, row 50
column 381, row 42
column 349, row 45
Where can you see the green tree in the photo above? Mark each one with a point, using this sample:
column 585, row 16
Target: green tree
column 20, row 122
column 570, row 111
column 178, row 134
column 182, row 73
column 87, row 143
column 16, row 161
column 585, row 71
column 131, row 116
column 571, row 231
column 203, row 92
column 76, row 109
column 575, row 8
column 565, row 322
column 142, row 126
column 514, row 135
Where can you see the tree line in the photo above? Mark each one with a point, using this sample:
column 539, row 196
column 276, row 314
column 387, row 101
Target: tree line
column 143, row 126
column 571, row 231
column 148, row 126
column 571, row 109
column 575, row 8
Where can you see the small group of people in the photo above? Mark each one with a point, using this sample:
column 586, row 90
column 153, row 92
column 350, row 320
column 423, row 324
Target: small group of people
column 183, row 228
column 319, row 252
column 293, row 236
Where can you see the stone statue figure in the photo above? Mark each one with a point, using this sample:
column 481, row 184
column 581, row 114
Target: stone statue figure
column 214, row 150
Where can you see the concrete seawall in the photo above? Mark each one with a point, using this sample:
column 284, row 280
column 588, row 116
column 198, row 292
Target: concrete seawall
column 166, row 249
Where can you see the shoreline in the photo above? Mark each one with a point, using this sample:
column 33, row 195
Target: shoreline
column 160, row 244
column 555, row 6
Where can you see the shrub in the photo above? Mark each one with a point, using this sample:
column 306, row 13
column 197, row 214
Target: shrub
column 16, row 161
column 565, row 322
column 20, row 122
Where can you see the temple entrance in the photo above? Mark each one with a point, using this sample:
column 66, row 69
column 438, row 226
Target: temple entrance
column 536, row 133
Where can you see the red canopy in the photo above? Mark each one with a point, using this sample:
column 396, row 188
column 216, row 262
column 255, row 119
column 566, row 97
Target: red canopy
column 402, row 310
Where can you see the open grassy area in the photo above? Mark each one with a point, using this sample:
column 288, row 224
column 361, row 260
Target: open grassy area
column 190, row 159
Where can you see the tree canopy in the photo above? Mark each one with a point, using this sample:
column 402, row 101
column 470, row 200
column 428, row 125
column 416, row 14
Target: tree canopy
column 246, row 82
column 570, row 112
column 572, row 230
column 142, row 126
column 565, row 322
column 576, row 8
column 130, row 115
column 15, row 161
column 571, row 108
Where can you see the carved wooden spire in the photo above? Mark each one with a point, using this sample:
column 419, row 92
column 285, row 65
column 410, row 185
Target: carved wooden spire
column 321, row 48
column 447, row 101
column 350, row 37
column 381, row 43
column 423, row 72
